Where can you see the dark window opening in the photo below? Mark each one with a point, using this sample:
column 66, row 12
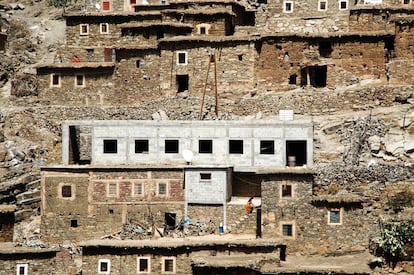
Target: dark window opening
column 104, row 267
column 73, row 223
column 286, row 190
column 171, row 146
column 143, row 264
column 322, row 5
column 182, row 58
column 66, row 191
column 335, row 216
column 296, row 149
column 1, row 226
column 55, row 80
column 240, row 56
column 249, row 19
column 141, row 146
column 212, row 58
column 104, row 28
column 205, row 176
column 236, row 146
column 262, row 1
column 325, row 48
column 162, row 189
column 267, row 147
column 160, row 34
column 293, row 79
column 182, row 83
column 110, row 146
column 79, row 80
column 406, row 2
column 287, row 230
column 343, row 5
column 317, row 76
column 138, row 63
column 169, row 219
column 110, row 211
column 202, row 30
column 90, row 52
column 22, row 270
column 205, row 146
column 168, row 265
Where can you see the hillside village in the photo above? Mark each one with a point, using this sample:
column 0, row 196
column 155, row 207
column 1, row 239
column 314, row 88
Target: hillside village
column 133, row 133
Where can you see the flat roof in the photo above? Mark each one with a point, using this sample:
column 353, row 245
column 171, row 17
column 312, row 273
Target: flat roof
column 298, row 170
column 77, row 65
column 8, row 248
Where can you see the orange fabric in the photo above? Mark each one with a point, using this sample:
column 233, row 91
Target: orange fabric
column 249, row 208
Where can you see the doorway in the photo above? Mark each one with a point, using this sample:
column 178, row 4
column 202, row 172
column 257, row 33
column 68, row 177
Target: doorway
column 182, row 83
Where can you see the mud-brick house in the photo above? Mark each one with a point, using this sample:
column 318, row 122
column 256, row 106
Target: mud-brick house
column 7, row 223
column 118, row 172
column 28, row 260
column 179, row 256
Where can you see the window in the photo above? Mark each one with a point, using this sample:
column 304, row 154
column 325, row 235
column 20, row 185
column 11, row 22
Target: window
column 74, row 223
column 106, row 5
column 141, row 146
column 110, row 146
column 406, row 2
column 335, row 216
column 104, row 27
column 288, row 6
column 171, row 146
column 132, row 2
column 287, row 230
column 104, row 266
column 205, row 146
column 112, row 190
column 138, row 63
column 66, row 191
column 55, row 80
column 267, row 147
column 202, row 30
column 137, row 189
column 182, row 83
column 90, row 52
column 205, row 176
column 22, row 269
column 162, row 189
column 296, row 150
column 181, row 58
column 240, row 57
column 343, row 5
column 143, row 264
column 322, row 5
column 286, row 191
column 84, row 29
column 80, row 80
column 168, row 265
column 236, row 146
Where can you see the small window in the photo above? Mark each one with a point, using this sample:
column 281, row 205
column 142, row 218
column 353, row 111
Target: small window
column 205, row 176
column 137, row 189
column 22, row 269
column 90, row 52
column 287, row 230
column 240, row 56
column 267, row 147
column 55, row 80
column 288, row 6
column 132, row 2
column 84, row 29
column 66, row 191
column 163, row 2
column 286, row 191
column 112, row 190
column 171, row 146
column 104, row 27
column 322, row 5
column 104, row 266
column 74, row 223
column 334, row 216
column 162, row 189
column 343, row 5
column 168, row 265
column 138, row 63
column 80, row 80
column 205, row 146
column 141, row 146
column 143, row 264
column 106, row 5
column 110, row 146
column 202, row 30
column 182, row 58
column 406, row 2
column 236, row 146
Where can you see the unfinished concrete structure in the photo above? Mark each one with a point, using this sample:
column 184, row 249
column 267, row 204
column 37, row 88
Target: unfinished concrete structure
column 153, row 50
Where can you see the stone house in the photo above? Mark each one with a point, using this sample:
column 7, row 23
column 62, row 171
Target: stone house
column 7, row 221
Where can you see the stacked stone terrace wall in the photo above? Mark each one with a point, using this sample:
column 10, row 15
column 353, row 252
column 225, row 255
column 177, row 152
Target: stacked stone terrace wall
column 38, row 263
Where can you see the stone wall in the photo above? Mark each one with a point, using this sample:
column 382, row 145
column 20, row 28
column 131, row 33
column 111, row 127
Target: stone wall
column 6, row 226
column 37, row 263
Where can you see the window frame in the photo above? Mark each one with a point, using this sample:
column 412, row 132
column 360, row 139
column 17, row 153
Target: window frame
column 172, row 142
column 210, row 141
column 166, row 189
column 237, row 152
column 107, row 28
column 285, row 3
column 319, row 5
column 148, row 264
column 185, row 58
column 109, row 3
column 83, row 80
column 142, row 189
column 100, row 261
column 292, row 193
column 346, row 4
column 292, row 224
column 108, row 189
column 206, row 176
column 64, row 191
column 263, row 151
column 25, row 267
column 106, row 150
column 59, row 78
column 145, row 143
column 340, row 211
column 163, row 271
column 81, row 32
